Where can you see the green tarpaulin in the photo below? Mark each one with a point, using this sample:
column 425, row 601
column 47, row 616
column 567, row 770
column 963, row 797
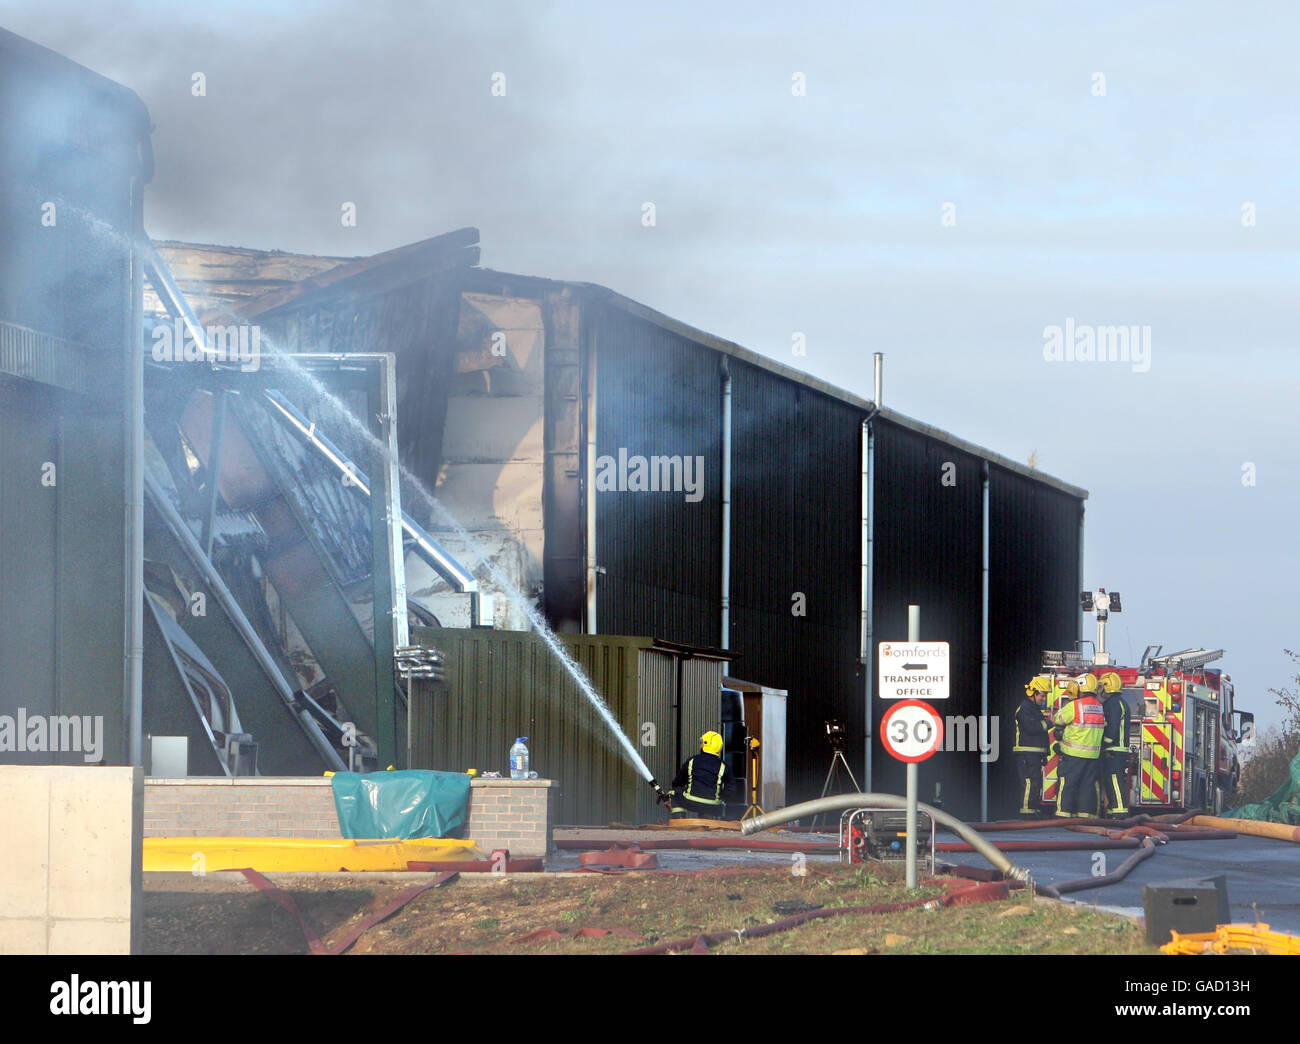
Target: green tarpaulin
column 1281, row 807
column 401, row 804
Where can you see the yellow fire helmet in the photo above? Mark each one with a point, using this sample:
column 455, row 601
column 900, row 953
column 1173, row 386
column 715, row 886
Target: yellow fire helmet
column 711, row 743
column 1038, row 684
column 1071, row 688
column 1111, row 682
column 1088, row 683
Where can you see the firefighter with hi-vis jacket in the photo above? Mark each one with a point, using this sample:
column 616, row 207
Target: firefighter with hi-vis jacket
column 1114, row 746
column 1030, row 749
column 1080, row 722
column 697, row 787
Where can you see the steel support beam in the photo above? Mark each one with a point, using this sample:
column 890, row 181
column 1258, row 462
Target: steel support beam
column 425, row 546
column 214, row 469
column 387, row 570
column 181, row 532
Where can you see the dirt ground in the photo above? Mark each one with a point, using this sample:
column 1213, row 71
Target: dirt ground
column 221, row 914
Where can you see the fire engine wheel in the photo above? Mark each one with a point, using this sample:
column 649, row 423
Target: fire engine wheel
column 1224, row 796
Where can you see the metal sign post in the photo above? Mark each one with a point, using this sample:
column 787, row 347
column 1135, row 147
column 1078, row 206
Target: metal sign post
column 913, row 635
column 911, row 729
column 911, row 824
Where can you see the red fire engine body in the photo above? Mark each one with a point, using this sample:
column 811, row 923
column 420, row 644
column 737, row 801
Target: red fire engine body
column 1184, row 732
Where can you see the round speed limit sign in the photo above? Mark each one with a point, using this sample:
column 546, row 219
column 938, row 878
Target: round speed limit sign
column 911, row 730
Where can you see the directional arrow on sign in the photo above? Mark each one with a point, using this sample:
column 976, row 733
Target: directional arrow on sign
column 914, row 666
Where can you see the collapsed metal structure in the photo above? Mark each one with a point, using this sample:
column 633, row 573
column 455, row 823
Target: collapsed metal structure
column 280, row 509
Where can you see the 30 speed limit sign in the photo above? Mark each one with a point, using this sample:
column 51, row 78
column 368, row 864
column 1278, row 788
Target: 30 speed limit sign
column 911, row 730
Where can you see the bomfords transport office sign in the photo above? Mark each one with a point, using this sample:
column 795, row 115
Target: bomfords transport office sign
column 912, row 670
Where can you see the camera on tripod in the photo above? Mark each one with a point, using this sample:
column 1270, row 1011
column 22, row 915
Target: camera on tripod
column 837, row 737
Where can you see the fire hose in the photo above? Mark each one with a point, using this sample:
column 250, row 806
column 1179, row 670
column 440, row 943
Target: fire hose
column 840, row 802
column 1254, row 827
column 1079, row 884
column 1049, row 823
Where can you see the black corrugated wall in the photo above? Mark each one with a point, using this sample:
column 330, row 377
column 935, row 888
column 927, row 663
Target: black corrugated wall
column 795, row 560
column 796, row 553
column 928, row 538
column 1034, row 587
column 657, row 394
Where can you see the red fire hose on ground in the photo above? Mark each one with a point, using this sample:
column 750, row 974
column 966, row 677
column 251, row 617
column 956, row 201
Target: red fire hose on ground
column 1108, row 838
column 979, row 893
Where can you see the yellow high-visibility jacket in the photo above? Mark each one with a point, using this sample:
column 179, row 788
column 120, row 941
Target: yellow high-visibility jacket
column 1083, row 721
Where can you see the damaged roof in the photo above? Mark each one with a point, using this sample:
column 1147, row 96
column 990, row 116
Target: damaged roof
column 220, row 278
column 459, row 249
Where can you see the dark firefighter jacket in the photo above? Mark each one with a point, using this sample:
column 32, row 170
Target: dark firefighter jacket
column 1115, row 738
column 700, row 779
column 1031, row 731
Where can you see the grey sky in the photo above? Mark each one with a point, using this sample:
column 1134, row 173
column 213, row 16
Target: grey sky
column 822, row 214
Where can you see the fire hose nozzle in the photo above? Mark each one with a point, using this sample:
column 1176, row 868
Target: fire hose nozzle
column 662, row 796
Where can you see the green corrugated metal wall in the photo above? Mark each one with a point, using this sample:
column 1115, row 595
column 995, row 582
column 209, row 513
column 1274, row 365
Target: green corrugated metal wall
column 503, row 684
column 701, row 685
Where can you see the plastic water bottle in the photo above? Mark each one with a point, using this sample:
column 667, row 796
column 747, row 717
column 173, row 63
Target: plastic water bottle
column 519, row 759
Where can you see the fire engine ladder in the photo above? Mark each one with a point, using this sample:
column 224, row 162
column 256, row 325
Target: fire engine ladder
column 1187, row 660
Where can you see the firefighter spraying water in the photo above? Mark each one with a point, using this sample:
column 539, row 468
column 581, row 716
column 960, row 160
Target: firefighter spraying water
column 1172, row 744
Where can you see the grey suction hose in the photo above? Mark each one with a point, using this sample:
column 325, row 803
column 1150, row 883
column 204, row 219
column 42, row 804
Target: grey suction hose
column 1120, row 872
column 839, row 802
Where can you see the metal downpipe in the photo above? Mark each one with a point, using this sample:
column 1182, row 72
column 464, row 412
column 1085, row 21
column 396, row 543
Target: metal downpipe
column 867, row 545
column 133, row 680
column 984, row 635
column 589, row 490
column 865, row 609
column 839, row 802
column 1078, row 634
column 725, row 625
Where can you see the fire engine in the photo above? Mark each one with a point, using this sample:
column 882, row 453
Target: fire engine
column 1184, row 728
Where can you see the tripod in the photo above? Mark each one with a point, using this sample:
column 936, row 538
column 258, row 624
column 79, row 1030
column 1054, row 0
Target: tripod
column 833, row 780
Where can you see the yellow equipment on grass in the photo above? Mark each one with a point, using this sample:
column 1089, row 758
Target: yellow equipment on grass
column 1229, row 938
column 299, row 854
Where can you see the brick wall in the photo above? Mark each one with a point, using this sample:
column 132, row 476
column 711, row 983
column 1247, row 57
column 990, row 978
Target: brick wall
column 512, row 813
column 258, row 806
column 503, row 813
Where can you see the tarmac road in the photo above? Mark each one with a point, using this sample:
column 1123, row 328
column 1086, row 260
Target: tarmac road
column 1263, row 874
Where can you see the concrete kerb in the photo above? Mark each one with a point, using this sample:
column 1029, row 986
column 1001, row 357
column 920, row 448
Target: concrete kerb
column 233, row 880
